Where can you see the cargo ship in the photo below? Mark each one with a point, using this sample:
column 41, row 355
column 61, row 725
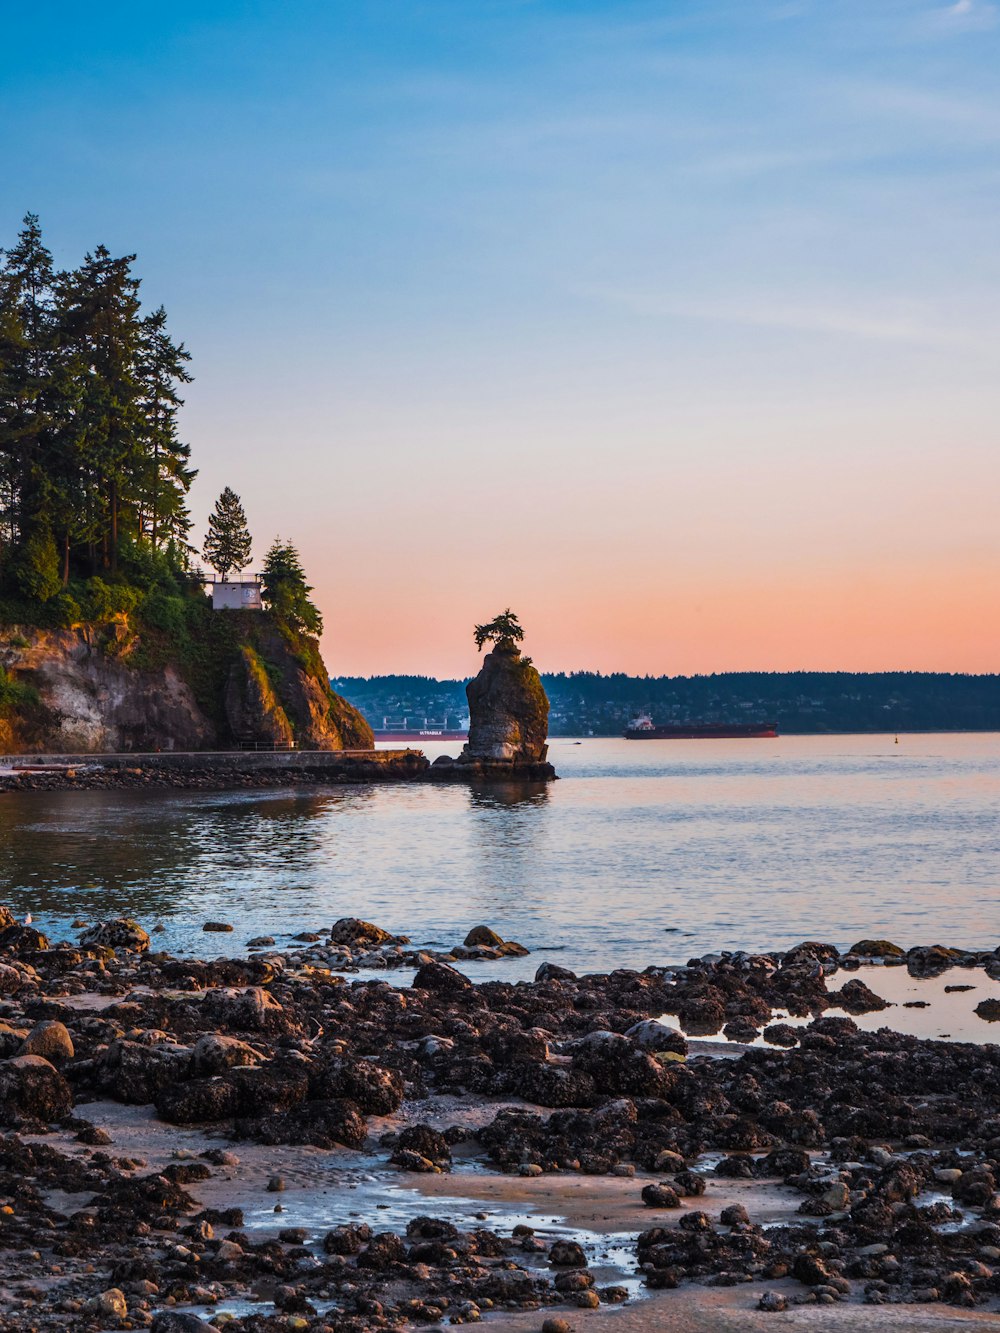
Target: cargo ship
column 425, row 734
column 644, row 729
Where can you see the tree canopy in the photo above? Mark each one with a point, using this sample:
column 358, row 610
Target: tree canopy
column 503, row 630
column 228, row 543
column 91, row 463
column 285, row 589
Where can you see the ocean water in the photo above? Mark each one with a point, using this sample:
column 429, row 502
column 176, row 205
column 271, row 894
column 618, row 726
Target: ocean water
column 644, row 852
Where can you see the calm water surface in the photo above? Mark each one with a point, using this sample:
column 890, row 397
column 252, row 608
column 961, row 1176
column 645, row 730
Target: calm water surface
column 645, row 852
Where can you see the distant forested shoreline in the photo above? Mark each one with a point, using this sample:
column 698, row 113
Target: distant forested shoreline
column 587, row 703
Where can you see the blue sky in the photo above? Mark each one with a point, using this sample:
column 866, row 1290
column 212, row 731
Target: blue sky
column 633, row 316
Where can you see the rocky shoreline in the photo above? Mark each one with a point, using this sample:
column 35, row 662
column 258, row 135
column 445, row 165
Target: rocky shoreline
column 92, row 773
column 268, row 1144
column 200, row 778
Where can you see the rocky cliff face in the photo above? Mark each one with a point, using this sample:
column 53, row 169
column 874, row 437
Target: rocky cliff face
column 272, row 696
column 81, row 690
column 86, row 698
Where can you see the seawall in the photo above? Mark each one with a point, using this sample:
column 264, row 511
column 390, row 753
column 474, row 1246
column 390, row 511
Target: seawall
column 209, row 768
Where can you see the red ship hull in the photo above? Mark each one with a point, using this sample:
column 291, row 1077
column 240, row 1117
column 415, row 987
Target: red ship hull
column 421, row 737
column 698, row 731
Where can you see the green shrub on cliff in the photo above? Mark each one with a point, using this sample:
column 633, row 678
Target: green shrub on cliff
column 35, row 565
column 165, row 612
column 14, row 695
column 105, row 601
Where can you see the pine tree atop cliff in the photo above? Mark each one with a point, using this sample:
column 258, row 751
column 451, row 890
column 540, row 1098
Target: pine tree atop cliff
column 286, row 591
column 227, row 545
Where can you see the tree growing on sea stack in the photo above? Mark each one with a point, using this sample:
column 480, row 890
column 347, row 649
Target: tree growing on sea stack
column 503, row 630
column 227, row 545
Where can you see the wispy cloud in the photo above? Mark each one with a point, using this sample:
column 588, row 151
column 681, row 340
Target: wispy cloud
column 942, row 111
column 962, row 16
column 911, row 326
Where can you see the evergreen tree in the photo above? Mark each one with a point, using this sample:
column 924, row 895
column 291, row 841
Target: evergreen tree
column 285, row 589
column 101, row 333
column 227, row 544
column 27, row 335
column 90, row 458
column 166, row 478
column 504, row 630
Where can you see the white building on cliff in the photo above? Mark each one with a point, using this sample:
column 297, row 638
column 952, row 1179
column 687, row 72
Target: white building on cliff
column 236, row 594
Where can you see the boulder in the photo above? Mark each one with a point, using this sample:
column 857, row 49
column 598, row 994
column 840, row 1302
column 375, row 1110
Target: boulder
column 50, row 1040
column 358, row 934
column 857, row 998
column 22, row 939
column 214, row 1054
column 11, row 980
column 137, row 1071
column 422, row 1141
column 376, row 1091
column 553, row 972
column 200, row 1101
column 876, row 949
column 660, row 1196
column 32, row 1091
column 653, row 1035
column 120, row 933
column 482, row 935
column 179, row 1321
column 441, row 978
column 324, row 1123
column 251, row 1010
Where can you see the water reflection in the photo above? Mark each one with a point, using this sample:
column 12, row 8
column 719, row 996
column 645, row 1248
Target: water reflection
column 721, row 844
column 153, row 855
column 502, row 795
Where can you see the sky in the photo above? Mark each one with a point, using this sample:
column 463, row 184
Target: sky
column 675, row 327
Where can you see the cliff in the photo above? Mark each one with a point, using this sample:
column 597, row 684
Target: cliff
column 222, row 679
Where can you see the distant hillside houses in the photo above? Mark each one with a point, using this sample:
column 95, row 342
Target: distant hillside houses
column 588, row 703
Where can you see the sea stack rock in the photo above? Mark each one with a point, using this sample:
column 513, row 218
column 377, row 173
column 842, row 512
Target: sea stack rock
column 508, row 711
column 508, row 715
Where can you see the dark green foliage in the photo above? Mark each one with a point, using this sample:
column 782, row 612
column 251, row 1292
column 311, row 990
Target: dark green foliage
column 13, row 695
column 503, row 630
column 105, row 601
column 35, row 565
column 805, row 702
column 164, row 612
column 227, row 545
column 90, row 459
column 286, row 592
